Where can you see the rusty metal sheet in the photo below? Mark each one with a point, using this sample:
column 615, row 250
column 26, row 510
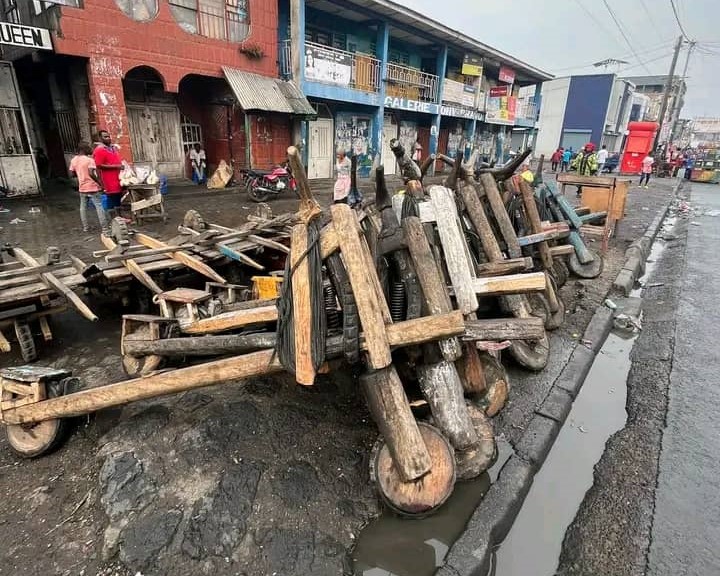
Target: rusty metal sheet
column 255, row 92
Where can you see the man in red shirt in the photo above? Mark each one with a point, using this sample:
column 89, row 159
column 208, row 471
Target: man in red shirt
column 109, row 163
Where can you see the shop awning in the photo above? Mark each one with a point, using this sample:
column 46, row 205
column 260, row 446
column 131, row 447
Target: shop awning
column 255, row 92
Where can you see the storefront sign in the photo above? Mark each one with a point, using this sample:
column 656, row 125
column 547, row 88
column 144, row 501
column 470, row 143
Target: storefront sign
column 506, row 75
column 501, row 110
column 472, row 65
column 328, row 66
column 457, row 112
column 43, row 3
column 499, row 91
column 25, row 36
column 458, row 93
column 411, row 105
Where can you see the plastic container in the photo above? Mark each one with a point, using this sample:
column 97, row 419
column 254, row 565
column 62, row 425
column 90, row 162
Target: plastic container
column 163, row 184
column 266, row 287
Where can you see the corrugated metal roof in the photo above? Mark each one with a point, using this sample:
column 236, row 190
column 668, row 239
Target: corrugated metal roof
column 255, row 92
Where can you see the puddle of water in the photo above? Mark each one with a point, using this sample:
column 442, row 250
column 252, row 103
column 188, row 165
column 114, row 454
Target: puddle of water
column 656, row 252
column 535, row 540
column 396, row 546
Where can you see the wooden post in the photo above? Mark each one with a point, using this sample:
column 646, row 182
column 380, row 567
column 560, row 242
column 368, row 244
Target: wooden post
column 441, row 387
column 302, row 306
column 366, row 298
column 511, row 284
column 391, row 411
column 309, row 207
column 133, row 267
column 480, row 221
column 501, row 215
column 505, row 329
column 535, row 223
column 434, row 290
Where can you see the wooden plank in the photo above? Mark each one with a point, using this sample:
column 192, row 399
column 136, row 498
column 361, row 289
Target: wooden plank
column 302, row 306
column 457, row 258
column 17, row 388
column 35, row 277
column 224, row 371
column 328, row 241
column 181, row 256
column 33, row 270
column 437, row 300
column 512, row 284
column 134, row 268
column 503, row 267
column 36, row 290
column 505, row 329
column 562, row 250
column 479, row 219
column 366, row 298
column 45, row 328
column 269, row 243
column 501, row 216
column 567, row 210
column 138, row 251
column 536, row 226
column 425, row 329
column 542, row 237
column 573, row 178
column 56, row 284
column 239, row 256
column 146, row 203
column 219, row 345
column 309, row 207
column 584, row 255
column 232, row 320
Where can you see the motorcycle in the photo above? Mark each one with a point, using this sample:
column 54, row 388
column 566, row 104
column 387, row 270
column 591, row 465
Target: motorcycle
column 261, row 184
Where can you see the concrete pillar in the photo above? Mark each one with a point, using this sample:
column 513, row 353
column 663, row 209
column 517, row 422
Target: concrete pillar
column 297, row 41
column 382, row 44
column 435, row 126
column 107, row 101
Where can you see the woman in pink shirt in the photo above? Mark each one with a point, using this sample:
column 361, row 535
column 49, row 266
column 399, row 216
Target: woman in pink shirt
column 89, row 184
column 647, row 165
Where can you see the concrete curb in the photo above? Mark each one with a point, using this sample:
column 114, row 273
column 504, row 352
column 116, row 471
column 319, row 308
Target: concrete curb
column 471, row 554
column 638, row 252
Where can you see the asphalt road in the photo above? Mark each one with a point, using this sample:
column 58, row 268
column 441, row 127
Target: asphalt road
column 685, row 533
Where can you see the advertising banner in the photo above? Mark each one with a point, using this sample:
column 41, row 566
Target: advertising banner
column 472, row 65
column 501, row 110
column 506, row 75
column 327, row 66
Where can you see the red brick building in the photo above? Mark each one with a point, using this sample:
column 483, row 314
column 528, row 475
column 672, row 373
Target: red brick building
column 153, row 73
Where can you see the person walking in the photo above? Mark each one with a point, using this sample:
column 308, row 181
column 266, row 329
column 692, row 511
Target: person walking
column 647, row 165
column 82, row 166
column 343, row 166
column 585, row 163
column 566, row 157
column 602, row 157
column 555, row 159
column 109, row 163
column 689, row 165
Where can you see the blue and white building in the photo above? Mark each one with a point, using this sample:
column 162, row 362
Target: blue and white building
column 375, row 70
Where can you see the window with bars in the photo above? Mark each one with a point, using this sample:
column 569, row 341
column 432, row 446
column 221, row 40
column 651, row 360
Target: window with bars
column 220, row 19
column 10, row 11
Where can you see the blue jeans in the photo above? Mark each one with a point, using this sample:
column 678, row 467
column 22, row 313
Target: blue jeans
column 96, row 199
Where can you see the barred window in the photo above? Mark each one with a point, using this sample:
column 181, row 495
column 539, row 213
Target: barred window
column 221, row 19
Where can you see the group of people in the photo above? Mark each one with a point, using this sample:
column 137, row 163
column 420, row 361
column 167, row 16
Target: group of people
column 565, row 158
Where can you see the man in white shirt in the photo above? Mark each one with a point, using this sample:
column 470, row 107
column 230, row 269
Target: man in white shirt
column 602, row 157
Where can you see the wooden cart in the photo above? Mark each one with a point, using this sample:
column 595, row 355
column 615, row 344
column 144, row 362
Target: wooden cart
column 146, row 202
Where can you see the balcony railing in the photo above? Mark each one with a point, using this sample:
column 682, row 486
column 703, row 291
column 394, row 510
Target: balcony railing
column 527, row 111
column 411, row 83
column 333, row 66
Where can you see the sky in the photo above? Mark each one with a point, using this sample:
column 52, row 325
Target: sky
column 565, row 37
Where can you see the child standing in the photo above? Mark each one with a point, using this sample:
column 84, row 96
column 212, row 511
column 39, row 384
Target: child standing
column 89, row 184
column 647, row 165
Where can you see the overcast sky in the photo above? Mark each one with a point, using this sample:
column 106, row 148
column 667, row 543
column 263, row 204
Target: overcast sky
column 564, row 36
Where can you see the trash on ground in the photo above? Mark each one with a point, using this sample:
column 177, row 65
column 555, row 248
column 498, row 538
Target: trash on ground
column 610, row 304
column 17, row 221
column 627, row 323
column 34, row 210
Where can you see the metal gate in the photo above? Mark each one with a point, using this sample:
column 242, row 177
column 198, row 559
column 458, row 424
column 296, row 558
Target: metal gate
column 155, row 138
column 18, row 170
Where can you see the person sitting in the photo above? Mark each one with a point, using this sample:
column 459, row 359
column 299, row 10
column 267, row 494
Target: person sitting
column 198, row 162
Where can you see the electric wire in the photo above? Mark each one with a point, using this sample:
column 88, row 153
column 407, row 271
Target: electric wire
column 677, row 19
column 622, row 32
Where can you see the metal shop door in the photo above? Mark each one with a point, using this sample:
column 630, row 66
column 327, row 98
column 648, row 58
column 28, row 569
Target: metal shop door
column 575, row 139
column 321, row 155
column 390, row 131
column 155, row 138
column 18, row 170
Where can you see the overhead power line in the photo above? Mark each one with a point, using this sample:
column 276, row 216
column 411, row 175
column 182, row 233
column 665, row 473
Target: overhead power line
column 677, row 19
column 650, row 16
column 645, row 53
column 622, row 32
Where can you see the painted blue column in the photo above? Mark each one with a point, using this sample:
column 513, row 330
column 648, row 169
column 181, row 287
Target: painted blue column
column 435, row 126
column 470, row 128
column 382, row 45
column 297, row 59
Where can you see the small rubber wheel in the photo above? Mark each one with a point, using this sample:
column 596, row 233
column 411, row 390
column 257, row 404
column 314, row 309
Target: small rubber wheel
column 473, row 462
column 532, row 355
column 25, row 339
column 194, row 221
column 560, row 272
column 423, row 496
column 256, row 194
column 592, row 269
column 351, row 319
column 36, row 439
column 136, row 366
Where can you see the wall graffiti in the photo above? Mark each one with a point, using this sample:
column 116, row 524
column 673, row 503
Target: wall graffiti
column 408, row 135
column 352, row 134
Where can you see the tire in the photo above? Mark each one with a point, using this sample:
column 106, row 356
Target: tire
column 560, row 272
column 25, row 339
column 557, row 318
column 257, row 195
column 351, row 318
column 590, row 270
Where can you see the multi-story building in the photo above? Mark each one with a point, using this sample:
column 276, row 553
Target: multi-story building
column 375, row 70
column 159, row 75
column 580, row 109
column 705, row 132
column 654, row 87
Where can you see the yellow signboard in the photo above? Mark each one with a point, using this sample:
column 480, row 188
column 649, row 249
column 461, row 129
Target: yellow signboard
column 472, row 65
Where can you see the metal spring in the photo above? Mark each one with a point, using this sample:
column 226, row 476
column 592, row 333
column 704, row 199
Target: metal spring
column 397, row 301
column 331, row 311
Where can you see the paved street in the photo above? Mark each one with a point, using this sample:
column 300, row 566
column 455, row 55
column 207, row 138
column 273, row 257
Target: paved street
column 655, row 501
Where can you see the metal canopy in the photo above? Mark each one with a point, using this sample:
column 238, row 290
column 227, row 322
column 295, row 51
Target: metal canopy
column 255, row 92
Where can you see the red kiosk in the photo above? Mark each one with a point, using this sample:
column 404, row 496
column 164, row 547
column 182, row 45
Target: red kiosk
column 639, row 141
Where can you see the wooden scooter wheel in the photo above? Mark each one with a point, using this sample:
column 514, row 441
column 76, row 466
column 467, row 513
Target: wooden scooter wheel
column 592, row 269
column 33, row 440
column 423, row 496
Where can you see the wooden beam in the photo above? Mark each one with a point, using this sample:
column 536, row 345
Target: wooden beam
column 504, row 267
column 536, row 226
column 505, row 329
column 501, row 215
column 366, row 298
column 302, row 306
column 512, row 284
column 190, row 261
column 480, row 222
column 4, row 343
column 562, row 250
column 134, row 268
column 232, row 320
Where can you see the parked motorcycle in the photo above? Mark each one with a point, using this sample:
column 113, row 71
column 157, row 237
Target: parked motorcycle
column 261, row 184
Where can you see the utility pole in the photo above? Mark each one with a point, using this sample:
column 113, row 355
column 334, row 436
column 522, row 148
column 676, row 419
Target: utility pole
column 668, row 87
column 676, row 111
